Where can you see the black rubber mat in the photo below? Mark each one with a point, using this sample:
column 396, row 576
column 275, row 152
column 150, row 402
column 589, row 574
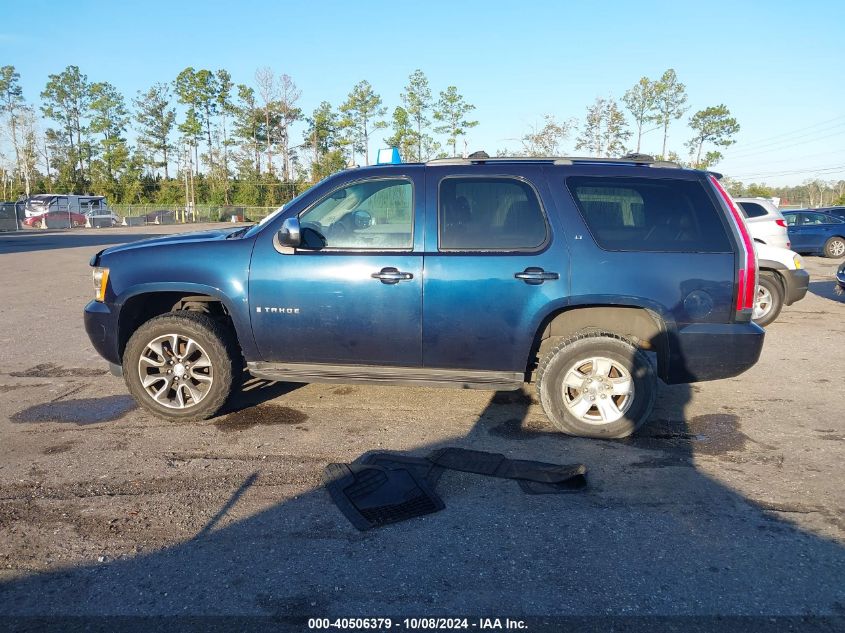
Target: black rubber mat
column 371, row 496
column 575, row 483
column 420, row 466
column 553, row 477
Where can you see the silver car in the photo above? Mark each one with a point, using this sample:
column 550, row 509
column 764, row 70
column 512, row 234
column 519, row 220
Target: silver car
column 764, row 221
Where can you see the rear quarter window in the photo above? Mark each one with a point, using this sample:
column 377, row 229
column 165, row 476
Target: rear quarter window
column 645, row 214
column 752, row 209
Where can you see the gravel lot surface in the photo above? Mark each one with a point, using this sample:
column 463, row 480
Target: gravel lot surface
column 730, row 501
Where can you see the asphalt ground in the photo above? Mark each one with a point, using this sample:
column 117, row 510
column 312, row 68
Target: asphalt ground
column 728, row 502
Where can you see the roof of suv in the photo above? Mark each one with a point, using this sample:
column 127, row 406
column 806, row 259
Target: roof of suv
column 631, row 159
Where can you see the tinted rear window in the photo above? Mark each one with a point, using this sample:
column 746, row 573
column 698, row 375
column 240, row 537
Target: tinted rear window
column 752, row 210
column 644, row 214
column 490, row 214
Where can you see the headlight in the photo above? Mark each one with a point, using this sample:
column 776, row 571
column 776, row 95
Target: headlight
column 799, row 263
column 101, row 280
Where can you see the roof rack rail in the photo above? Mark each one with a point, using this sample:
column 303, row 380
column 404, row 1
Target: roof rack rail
column 636, row 159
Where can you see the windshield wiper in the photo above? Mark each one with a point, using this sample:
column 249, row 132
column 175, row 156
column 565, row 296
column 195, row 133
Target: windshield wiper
column 240, row 231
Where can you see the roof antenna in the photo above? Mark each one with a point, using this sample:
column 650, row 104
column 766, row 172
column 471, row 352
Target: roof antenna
column 478, row 155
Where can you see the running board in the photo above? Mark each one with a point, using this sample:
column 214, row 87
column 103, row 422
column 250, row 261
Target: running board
column 384, row 375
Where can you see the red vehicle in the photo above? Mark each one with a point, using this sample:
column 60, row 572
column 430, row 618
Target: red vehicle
column 56, row 219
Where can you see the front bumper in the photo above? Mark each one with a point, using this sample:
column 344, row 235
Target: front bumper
column 101, row 326
column 711, row 351
column 796, row 283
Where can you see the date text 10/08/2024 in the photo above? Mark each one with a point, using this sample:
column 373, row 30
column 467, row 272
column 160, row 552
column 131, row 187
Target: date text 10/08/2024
column 416, row 624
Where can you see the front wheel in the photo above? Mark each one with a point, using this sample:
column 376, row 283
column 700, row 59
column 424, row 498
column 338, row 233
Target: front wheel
column 596, row 385
column 181, row 366
column 834, row 247
column 769, row 299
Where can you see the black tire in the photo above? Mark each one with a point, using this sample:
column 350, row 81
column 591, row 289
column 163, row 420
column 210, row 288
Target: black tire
column 834, row 247
column 217, row 341
column 568, row 353
column 769, row 281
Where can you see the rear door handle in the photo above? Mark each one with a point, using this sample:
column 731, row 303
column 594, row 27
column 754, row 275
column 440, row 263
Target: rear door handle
column 535, row 276
column 391, row 275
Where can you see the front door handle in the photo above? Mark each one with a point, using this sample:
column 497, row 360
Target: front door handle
column 391, row 275
column 535, row 276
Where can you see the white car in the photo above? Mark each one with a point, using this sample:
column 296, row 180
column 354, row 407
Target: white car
column 764, row 221
column 783, row 281
column 102, row 217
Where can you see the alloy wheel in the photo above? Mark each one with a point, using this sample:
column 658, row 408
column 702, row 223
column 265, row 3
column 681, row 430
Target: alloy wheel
column 175, row 371
column 598, row 390
column 763, row 305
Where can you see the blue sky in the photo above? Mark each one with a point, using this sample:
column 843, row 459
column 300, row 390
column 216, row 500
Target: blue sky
column 777, row 65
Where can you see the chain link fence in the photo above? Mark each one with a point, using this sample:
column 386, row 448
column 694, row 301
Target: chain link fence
column 177, row 214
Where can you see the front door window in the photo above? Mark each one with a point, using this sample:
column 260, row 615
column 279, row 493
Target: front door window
column 369, row 215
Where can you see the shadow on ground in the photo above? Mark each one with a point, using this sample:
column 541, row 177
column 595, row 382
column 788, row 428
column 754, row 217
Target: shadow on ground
column 652, row 534
column 244, row 410
column 29, row 241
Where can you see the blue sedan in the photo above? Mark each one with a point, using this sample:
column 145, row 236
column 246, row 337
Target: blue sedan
column 815, row 233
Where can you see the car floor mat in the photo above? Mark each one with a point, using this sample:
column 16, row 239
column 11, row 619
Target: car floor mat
column 420, row 466
column 553, row 477
column 576, row 483
column 371, row 496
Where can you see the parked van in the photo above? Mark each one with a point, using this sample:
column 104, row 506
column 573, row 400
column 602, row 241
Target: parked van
column 86, row 205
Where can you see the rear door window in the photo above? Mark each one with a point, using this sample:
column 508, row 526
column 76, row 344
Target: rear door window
column 818, row 218
column 649, row 214
column 490, row 214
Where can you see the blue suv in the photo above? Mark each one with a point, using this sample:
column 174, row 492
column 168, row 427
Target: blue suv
column 588, row 277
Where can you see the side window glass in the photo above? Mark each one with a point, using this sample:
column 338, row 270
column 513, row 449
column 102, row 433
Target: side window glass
column 649, row 214
column 489, row 214
column 791, row 220
column 752, row 210
column 368, row 215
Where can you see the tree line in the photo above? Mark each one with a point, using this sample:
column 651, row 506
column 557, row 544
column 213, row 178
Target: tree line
column 812, row 193
column 234, row 143
column 651, row 105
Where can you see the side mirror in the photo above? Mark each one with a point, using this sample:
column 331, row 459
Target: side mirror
column 290, row 234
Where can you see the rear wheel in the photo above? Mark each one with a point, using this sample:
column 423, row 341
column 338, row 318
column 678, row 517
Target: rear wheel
column 596, row 385
column 769, row 300
column 834, row 247
column 181, row 366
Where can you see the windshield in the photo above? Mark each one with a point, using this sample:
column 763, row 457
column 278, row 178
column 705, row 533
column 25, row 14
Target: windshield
column 39, row 201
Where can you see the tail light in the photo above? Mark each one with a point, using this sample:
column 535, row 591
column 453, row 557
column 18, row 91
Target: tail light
column 781, row 223
column 747, row 273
